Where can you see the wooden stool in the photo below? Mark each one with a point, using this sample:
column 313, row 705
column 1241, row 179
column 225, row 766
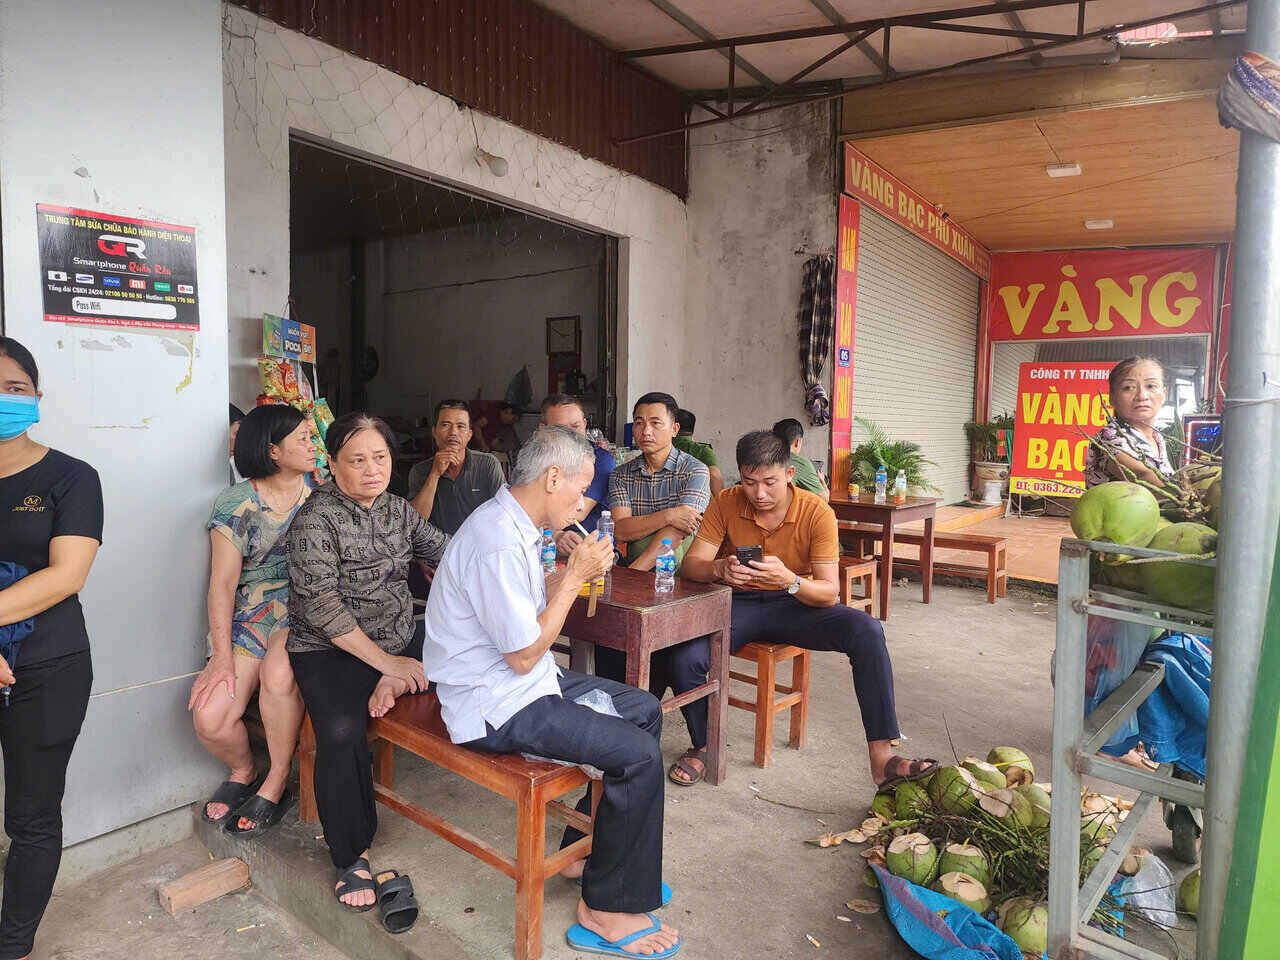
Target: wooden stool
column 767, row 656
column 851, row 569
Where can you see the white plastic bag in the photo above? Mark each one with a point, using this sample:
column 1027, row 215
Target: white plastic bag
column 600, row 702
column 1151, row 892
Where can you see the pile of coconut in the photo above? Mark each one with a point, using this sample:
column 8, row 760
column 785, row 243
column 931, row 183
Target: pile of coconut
column 1181, row 517
column 978, row 831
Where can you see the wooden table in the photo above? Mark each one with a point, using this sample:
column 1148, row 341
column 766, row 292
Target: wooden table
column 887, row 516
column 632, row 618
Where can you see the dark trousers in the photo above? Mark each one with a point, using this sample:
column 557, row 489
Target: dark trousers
column 774, row 616
column 37, row 733
column 624, row 872
column 336, row 687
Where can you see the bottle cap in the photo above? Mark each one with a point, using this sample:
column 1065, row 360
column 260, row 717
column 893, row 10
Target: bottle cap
column 666, row 543
column 605, row 513
column 547, row 533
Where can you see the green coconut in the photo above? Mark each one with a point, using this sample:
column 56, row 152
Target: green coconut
column 1189, row 893
column 913, row 857
column 910, row 801
column 1015, row 764
column 1181, row 584
column 1027, row 923
column 1211, row 497
column 1098, row 827
column 954, row 789
column 966, row 859
column 883, row 806
column 988, row 777
column 1119, row 512
column 1039, row 800
column 1119, row 572
column 1008, row 806
column 965, row 889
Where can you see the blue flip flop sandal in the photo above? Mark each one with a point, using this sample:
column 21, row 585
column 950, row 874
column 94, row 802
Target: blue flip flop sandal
column 666, row 892
column 584, row 941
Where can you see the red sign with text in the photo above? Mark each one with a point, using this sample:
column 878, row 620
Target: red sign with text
column 1079, row 294
column 870, row 183
column 846, row 300
column 1060, row 406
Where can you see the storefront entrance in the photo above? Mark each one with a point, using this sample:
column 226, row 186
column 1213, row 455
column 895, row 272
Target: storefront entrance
column 420, row 292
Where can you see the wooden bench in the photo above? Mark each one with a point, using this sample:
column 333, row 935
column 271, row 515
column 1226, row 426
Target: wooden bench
column 414, row 724
column 795, row 698
column 995, row 549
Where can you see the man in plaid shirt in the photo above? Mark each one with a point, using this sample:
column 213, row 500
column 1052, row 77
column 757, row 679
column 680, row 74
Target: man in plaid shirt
column 662, row 494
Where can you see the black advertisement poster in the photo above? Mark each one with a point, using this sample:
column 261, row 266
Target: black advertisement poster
column 103, row 269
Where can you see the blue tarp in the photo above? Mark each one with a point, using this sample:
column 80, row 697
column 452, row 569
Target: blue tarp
column 939, row 928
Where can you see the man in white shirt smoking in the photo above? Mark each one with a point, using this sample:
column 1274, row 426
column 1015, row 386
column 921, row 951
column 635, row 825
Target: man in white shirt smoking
column 491, row 620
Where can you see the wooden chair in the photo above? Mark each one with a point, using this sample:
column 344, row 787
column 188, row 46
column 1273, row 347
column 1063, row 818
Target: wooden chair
column 414, row 724
column 795, row 698
column 864, row 571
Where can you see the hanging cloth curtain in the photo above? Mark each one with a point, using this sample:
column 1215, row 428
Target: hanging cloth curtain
column 815, row 323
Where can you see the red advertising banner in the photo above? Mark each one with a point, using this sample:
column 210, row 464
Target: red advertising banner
column 842, row 367
column 870, row 183
column 1060, row 405
column 1078, row 294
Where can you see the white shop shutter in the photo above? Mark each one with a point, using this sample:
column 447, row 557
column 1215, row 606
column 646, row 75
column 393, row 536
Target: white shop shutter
column 914, row 340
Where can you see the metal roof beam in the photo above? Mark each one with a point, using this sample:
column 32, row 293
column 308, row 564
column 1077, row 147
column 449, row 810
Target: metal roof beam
column 906, row 20
column 710, row 40
column 972, row 61
column 867, row 50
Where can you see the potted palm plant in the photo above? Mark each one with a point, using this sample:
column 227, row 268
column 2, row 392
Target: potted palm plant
column 877, row 450
column 986, row 441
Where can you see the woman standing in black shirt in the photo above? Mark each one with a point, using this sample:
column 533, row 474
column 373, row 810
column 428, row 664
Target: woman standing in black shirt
column 50, row 530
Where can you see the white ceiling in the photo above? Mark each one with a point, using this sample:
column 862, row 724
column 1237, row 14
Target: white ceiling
column 636, row 24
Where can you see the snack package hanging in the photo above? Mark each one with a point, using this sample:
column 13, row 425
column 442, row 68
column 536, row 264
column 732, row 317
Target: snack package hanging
column 289, row 377
column 323, row 416
column 272, row 380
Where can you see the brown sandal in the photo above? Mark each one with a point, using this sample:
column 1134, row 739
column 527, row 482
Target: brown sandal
column 916, row 770
column 684, row 766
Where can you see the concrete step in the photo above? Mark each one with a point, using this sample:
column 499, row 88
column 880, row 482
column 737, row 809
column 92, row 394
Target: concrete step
column 290, row 867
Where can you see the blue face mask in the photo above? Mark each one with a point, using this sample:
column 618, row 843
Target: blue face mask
column 18, row 413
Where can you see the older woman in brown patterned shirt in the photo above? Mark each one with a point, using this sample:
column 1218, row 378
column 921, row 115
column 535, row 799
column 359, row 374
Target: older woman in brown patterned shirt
column 352, row 643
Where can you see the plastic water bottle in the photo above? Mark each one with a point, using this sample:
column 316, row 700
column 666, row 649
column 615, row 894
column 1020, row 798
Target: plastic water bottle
column 882, row 484
column 664, row 569
column 548, row 552
column 605, row 529
column 900, row 487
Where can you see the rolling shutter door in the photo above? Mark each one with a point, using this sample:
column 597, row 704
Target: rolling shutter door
column 914, row 338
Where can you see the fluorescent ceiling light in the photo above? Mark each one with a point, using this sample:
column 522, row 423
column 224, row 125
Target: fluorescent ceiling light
column 1055, row 170
column 1098, row 224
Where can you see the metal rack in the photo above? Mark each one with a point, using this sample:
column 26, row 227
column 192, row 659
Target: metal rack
column 1077, row 738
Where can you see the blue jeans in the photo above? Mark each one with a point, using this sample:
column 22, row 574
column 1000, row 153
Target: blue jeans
column 624, row 872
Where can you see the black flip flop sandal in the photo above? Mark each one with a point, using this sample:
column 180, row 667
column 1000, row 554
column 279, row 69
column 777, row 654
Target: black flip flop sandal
column 348, row 882
column 261, row 811
column 395, row 900
column 233, row 795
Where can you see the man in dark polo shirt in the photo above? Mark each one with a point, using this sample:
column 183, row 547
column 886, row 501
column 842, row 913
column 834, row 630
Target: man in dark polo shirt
column 449, row 486
column 792, row 596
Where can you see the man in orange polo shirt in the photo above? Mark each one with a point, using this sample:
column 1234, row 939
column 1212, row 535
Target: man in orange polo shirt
column 791, row 596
